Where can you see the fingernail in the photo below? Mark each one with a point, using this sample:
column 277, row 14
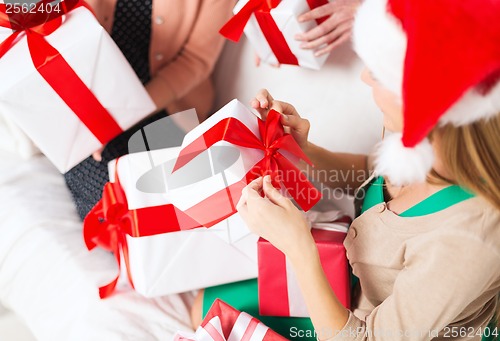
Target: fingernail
column 303, row 45
column 301, row 19
column 285, row 117
column 267, row 178
column 298, row 37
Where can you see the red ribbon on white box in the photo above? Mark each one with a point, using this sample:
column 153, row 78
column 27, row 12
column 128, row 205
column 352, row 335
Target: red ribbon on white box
column 52, row 66
column 261, row 9
column 246, row 328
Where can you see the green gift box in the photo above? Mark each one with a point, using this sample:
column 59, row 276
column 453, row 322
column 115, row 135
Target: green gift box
column 244, row 297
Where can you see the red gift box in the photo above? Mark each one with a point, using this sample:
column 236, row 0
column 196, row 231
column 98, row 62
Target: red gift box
column 223, row 322
column 279, row 294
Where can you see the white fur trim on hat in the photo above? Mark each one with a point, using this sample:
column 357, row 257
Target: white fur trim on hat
column 472, row 107
column 401, row 165
column 380, row 42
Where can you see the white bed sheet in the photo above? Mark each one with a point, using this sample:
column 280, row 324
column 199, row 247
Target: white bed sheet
column 50, row 280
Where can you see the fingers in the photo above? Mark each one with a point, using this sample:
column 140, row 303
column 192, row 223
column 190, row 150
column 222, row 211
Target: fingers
column 255, row 186
column 262, row 102
column 274, row 195
column 318, row 12
column 285, row 108
column 290, row 118
column 295, row 122
column 329, row 37
column 264, row 99
column 325, row 28
column 334, row 45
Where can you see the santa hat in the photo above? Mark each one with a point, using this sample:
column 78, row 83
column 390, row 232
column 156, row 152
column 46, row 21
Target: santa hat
column 443, row 58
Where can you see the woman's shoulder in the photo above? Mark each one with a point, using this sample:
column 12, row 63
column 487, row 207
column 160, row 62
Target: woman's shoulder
column 474, row 215
column 473, row 220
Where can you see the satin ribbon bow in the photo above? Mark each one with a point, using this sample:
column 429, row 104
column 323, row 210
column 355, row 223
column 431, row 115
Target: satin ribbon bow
column 233, row 29
column 106, row 226
column 272, row 141
column 110, row 221
column 51, row 65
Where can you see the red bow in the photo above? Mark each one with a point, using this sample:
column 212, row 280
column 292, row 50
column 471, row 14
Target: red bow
column 106, row 226
column 273, row 140
column 110, row 221
column 53, row 67
column 233, row 29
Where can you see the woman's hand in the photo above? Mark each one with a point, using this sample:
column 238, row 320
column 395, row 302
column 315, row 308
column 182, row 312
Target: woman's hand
column 274, row 218
column 333, row 31
column 297, row 126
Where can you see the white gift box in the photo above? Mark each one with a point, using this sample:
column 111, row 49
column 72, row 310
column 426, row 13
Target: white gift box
column 37, row 109
column 185, row 260
column 285, row 15
column 235, row 166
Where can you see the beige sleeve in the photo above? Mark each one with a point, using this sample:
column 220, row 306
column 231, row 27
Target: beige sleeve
column 441, row 277
column 197, row 59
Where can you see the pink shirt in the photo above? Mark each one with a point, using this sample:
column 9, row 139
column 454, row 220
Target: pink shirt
column 184, row 48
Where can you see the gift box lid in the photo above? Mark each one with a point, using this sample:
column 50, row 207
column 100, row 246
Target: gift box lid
column 228, row 316
column 244, row 297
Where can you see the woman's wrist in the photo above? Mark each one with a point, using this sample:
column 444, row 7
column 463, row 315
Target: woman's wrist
column 304, row 253
column 308, row 148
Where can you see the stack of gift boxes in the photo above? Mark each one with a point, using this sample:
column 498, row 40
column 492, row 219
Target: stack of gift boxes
column 186, row 236
column 190, row 237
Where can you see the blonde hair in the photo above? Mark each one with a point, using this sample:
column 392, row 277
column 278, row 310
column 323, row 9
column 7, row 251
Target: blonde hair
column 471, row 155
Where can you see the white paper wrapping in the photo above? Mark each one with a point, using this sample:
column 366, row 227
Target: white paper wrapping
column 235, row 167
column 285, row 15
column 35, row 107
column 185, row 260
column 213, row 331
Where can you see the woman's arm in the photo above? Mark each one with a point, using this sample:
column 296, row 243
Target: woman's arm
column 442, row 275
column 337, row 170
column 196, row 60
column 326, row 311
column 277, row 220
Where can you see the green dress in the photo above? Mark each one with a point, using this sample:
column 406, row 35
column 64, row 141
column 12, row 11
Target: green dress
column 244, row 295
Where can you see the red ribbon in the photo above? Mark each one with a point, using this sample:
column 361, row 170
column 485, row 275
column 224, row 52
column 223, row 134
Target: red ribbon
column 110, row 221
column 228, row 317
column 233, row 29
column 274, row 299
column 273, row 139
column 51, row 65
